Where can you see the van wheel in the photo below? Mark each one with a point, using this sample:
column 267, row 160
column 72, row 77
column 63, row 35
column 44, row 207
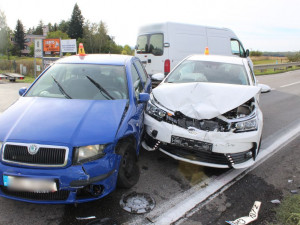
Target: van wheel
column 129, row 171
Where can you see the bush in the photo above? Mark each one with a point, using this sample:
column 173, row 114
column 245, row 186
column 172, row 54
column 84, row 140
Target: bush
column 255, row 53
column 294, row 58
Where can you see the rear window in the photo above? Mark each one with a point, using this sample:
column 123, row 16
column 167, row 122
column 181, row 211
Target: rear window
column 207, row 71
column 150, row 44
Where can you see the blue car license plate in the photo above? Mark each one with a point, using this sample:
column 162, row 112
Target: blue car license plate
column 29, row 184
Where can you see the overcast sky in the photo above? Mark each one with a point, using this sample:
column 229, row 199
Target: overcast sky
column 265, row 25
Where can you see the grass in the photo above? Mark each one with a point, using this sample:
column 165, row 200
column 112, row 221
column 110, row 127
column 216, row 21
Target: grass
column 271, row 71
column 288, row 212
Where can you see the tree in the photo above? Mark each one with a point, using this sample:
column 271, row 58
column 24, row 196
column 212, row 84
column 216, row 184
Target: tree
column 39, row 29
column 255, row 53
column 102, row 39
column 76, row 24
column 4, row 34
column 127, row 50
column 58, row 34
column 19, row 37
column 64, row 26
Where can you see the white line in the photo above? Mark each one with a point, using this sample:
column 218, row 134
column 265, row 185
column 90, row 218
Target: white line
column 222, row 182
column 290, row 84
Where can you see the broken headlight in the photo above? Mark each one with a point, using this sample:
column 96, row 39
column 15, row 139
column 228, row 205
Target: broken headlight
column 88, row 153
column 155, row 111
column 247, row 125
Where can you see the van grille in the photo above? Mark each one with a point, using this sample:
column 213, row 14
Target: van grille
column 45, row 156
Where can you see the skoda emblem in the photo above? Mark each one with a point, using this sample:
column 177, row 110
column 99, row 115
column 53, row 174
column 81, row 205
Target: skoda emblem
column 192, row 130
column 33, row 149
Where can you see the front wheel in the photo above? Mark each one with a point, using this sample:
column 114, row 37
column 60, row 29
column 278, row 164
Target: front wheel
column 129, row 171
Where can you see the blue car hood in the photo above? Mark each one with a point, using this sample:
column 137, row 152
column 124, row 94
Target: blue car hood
column 62, row 121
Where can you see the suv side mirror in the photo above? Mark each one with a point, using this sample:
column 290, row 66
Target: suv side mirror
column 247, row 53
column 22, row 91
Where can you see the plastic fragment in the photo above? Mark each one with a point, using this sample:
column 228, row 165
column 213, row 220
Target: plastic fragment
column 253, row 215
column 290, row 181
column 137, row 203
column 104, row 221
column 86, row 218
column 275, row 201
column 294, row 191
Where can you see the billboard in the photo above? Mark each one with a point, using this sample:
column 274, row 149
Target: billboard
column 68, row 45
column 51, row 45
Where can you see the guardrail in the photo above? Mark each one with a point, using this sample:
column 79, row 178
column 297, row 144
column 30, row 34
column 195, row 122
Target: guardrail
column 276, row 66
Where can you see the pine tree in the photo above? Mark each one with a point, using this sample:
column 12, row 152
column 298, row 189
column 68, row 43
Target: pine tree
column 76, row 24
column 19, row 37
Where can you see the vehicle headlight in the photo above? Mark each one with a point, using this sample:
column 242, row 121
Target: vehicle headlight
column 155, row 112
column 88, row 153
column 247, row 125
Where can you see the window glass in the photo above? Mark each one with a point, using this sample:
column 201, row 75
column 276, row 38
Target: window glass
column 156, row 44
column 142, row 44
column 206, row 71
column 82, row 81
column 141, row 70
column 136, row 82
column 235, row 47
column 150, row 43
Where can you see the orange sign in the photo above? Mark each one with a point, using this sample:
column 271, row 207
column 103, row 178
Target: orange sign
column 51, row 45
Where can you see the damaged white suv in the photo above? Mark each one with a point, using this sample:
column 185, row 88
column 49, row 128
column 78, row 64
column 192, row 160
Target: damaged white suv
column 206, row 112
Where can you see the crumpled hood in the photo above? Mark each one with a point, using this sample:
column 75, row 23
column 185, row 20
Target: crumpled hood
column 64, row 121
column 203, row 100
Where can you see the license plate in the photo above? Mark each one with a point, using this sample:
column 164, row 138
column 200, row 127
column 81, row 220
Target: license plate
column 29, row 184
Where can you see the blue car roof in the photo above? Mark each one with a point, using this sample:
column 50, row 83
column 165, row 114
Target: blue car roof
column 106, row 59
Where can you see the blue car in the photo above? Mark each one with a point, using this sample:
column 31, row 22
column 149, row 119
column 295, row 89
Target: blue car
column 75, row 134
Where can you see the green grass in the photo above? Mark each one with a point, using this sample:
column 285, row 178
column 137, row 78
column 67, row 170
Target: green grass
column 288, row 212
column 268, row 61
column 27, row 79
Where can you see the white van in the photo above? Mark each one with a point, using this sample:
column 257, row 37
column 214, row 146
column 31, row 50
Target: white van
column 162, row 46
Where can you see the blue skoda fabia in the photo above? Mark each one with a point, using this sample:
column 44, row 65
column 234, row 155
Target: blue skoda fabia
column 75, row 133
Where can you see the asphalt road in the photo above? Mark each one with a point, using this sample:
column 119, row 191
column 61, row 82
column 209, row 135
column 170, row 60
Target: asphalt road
column 161, row 177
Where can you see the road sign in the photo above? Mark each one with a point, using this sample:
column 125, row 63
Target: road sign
column 51, row 45
column 38, row 50
column 68, row 45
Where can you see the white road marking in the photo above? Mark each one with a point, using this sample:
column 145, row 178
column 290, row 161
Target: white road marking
column 221, row 183
column 287, row 85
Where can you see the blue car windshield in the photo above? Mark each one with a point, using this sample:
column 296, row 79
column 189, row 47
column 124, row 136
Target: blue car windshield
column 82, row 81
column 207, row 71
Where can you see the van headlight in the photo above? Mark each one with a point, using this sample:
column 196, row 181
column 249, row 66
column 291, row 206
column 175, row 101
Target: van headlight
column 155, row 112
column 88, row 153
column 247, row 125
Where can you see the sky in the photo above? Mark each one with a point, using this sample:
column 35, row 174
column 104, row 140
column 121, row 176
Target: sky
column 264, row 25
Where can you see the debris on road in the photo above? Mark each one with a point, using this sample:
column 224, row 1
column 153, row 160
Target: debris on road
column 275, row 201
column 86, row 218
column 290, row 181
column 104, row 221
column 137, row 203
column 253, row 215
column 294, row 191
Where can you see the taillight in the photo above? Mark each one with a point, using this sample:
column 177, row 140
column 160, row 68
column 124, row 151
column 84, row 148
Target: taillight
column 21, row 78
column 167, row 66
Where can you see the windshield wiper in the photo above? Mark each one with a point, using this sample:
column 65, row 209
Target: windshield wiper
column 61, row 89
column 101, row 89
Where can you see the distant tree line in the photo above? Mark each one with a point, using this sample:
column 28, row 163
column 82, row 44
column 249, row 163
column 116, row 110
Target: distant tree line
column 94, row 36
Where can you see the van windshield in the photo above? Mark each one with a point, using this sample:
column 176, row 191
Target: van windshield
column 150, row 44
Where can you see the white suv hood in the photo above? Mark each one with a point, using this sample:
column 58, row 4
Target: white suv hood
column 203, row 100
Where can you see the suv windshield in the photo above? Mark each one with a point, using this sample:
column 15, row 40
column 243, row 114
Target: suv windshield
column 82, row 81
column 206, row 71
column 150, row 43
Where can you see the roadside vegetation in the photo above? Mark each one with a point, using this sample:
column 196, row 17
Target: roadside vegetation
column 288, row 212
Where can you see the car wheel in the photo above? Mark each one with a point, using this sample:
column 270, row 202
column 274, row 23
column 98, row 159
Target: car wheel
column 129, row 172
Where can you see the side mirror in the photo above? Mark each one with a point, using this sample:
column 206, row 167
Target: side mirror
column 158, row 76
column 166, row 45
column 144, row 97
column 247, row 53
column 22, row 91
column 264, row 88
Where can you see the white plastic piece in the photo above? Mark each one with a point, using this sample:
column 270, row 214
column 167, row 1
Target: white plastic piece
column 253, row 215
column 275, row 201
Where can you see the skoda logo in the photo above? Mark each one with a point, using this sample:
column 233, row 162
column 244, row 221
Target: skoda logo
column 192, row 130
column 33, row 149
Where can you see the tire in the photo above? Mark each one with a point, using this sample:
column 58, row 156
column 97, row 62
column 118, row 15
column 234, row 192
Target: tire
column 129, row 171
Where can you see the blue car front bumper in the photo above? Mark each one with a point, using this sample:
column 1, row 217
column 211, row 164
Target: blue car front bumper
column 75, row 183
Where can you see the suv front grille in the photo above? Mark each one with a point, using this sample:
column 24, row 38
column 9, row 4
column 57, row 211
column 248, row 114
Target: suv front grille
column 45, row 156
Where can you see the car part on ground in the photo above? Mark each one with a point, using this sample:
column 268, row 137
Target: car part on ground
column 137, row 203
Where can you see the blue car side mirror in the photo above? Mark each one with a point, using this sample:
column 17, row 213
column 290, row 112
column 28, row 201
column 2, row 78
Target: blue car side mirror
column 144, row 97
column 22, row 91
